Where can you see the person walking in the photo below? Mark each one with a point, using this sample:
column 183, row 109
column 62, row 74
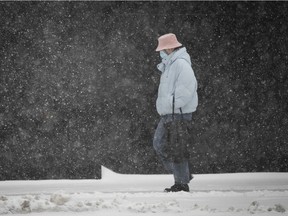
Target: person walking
column 177, row 99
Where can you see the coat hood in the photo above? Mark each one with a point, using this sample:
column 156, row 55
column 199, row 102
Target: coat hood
column 181, row 54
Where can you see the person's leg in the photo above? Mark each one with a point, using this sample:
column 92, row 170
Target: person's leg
column 182, row 177
column 159, row 143
column 181, row 172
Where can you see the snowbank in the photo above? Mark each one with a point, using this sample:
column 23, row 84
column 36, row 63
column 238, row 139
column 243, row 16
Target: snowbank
column 118, row 194
column 181, row 203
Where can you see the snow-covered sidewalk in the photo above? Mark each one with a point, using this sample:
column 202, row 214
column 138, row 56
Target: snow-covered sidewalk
column 119, row 194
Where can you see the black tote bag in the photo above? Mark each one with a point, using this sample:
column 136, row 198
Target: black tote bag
column 177, row 137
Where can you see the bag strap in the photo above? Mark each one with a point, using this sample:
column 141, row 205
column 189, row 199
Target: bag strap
column 173, row 107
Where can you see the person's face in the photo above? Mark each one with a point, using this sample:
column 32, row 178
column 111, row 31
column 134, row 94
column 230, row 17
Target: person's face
column 168, row 51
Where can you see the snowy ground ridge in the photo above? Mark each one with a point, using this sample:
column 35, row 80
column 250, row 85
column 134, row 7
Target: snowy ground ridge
column 223, row 195
column 139, row 202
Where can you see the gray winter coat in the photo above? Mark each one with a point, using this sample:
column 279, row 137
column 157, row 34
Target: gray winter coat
column 177, row 78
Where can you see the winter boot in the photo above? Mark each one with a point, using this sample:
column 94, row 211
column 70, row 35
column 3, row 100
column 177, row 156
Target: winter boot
column 177, row 188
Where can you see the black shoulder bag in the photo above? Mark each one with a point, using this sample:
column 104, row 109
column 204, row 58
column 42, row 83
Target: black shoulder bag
column 177, row 137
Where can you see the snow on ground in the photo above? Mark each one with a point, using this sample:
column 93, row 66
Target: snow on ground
column 118, row 194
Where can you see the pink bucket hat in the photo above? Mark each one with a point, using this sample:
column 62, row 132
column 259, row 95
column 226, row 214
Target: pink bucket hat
column 167, row 41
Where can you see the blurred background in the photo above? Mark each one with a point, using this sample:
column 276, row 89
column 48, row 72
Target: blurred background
column 79, row 84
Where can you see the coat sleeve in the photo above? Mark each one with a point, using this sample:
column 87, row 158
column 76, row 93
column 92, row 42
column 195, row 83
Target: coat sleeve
column 185, row 85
